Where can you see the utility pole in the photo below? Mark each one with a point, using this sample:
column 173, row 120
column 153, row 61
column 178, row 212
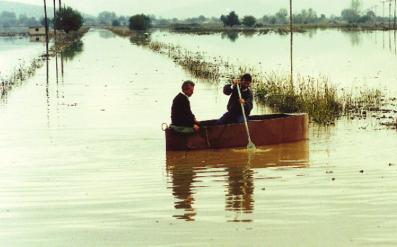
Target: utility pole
column 383, row 16
column 390, row 14
column 53, row 23
column 46, row 28
column 395, row 2
column 291, row 40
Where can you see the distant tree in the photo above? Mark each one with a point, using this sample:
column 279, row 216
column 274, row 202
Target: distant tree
column 306, row 16
column 231, row 19
column 249, row 21
column 273, row 20
column 68, row 19
column 370, row 16
column 323, row 18
column 350, row 15
column 42, row 22
column 106, row 17
column 8, row 19
column 139, row 22
column 281, row 16
column 115, row 23
column 266, row 19
column 202, row 18
column 123, row 20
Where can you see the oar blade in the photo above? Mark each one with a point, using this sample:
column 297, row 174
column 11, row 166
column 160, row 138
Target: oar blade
column 251, row 146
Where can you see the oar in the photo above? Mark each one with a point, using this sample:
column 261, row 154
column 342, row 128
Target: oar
column 250, row 145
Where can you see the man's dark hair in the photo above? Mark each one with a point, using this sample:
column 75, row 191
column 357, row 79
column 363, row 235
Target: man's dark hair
column 186, row 84
column 246, row 77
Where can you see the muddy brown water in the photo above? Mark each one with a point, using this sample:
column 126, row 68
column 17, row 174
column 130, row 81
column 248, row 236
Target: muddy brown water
column 83, row 162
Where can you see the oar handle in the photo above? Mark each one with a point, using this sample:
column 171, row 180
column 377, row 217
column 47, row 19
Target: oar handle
column 244, row 116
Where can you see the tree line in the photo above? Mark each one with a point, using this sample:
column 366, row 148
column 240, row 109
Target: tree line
column 354, row 14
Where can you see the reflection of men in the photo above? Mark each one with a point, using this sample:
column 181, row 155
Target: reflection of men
column 240, row 189
column 182, row 117
column 234, row 113
column 183, row 177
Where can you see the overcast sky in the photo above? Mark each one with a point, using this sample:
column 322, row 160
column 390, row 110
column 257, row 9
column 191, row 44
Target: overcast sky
column 190, row 8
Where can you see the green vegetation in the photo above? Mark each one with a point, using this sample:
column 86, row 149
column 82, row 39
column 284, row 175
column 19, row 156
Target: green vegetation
column 70, row 51
column 315, row 96
column 68, row 19
column 231, row 19
column 116, row 23
column 249, row 21
column 139, row 22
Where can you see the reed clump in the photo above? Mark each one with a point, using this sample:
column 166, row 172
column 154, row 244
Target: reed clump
column 316, row 96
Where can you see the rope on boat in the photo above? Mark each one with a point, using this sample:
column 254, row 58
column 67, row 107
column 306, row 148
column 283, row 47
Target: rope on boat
column 206, row 137
column 164, row 126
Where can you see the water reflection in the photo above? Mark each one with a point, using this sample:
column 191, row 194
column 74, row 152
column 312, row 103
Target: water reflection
column 240, row 187
column 310, row 33
column 249, row 34
column 236, row 166
column 106, row 34
column 48, row 91
column 355, row 37
column 232, row 36
column 70, row 52
column 140, row 39
column 34, row 38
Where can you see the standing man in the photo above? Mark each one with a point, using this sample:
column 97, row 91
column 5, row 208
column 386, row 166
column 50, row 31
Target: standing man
column 183, row 120
column 234, row 113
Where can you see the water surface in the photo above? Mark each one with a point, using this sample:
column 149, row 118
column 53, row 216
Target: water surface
column 83, row 162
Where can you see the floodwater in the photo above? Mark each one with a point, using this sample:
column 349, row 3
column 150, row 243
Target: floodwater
column 83, row 162
column 17, row 51
column 350, row 60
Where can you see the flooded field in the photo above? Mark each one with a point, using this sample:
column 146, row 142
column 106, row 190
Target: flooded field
column 83, row 160
column 348, row 59
column 17, row 51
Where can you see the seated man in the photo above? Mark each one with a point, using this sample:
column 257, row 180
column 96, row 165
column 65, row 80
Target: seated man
column 182, row 117
column 234, row 113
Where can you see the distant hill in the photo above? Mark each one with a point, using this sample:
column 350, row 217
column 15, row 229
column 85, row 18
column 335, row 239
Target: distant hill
column 30, row 10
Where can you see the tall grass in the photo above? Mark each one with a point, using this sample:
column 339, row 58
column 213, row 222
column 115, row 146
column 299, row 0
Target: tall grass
column 316, row 96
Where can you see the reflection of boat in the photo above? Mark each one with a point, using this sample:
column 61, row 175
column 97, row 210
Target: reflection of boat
column 294, row 154
column 264, row 129
column 187, row 169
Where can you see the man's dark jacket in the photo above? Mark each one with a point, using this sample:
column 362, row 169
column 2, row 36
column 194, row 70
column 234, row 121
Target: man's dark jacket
column 234, row 106
column 181, row 114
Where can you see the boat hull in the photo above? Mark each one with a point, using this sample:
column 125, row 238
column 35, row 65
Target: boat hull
column 264, row 130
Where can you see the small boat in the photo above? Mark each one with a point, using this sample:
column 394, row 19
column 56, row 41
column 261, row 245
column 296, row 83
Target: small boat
column 264, row 129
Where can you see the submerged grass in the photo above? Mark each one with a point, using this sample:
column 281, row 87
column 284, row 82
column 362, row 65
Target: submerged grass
column 21, row 73
column 24, row 71
column 316, row 96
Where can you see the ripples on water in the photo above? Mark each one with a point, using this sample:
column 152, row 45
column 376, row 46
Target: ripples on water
column 83, row 162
